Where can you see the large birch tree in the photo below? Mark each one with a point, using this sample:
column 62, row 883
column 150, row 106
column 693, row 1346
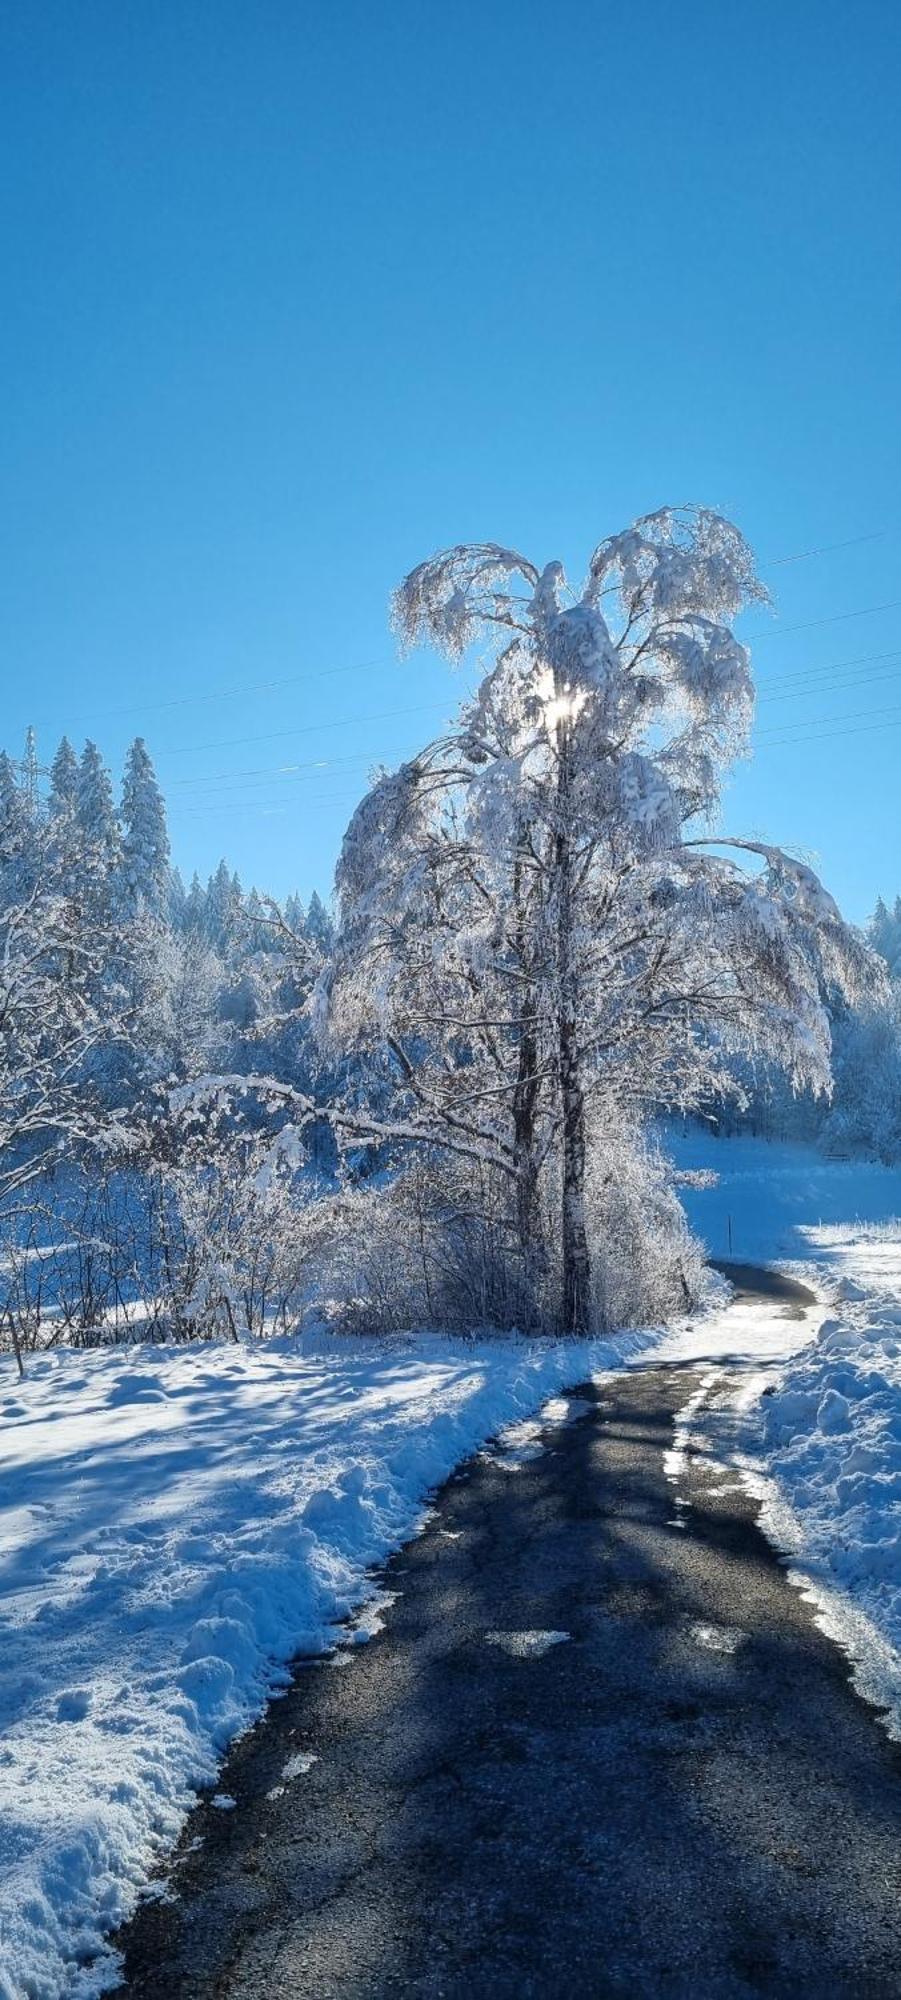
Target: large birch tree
column 539, row 936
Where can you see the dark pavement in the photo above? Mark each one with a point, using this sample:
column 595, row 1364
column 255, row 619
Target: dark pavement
column 684, row 1797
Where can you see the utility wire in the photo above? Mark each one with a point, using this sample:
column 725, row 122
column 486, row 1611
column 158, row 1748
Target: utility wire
column 827, row 667
column 835, row 618
column 307, row 729
column 829, row 548
column 811, row 725
column 311, row 677
column 827, row 735
column 806, row 691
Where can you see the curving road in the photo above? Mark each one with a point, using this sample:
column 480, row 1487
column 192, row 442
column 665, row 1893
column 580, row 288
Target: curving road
column 681, row 1797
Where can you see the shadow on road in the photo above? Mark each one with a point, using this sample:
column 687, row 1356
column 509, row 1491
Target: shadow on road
column 684, row 1796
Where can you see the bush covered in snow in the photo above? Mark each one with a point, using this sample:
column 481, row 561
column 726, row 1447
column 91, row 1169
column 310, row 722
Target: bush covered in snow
column 434, row 1245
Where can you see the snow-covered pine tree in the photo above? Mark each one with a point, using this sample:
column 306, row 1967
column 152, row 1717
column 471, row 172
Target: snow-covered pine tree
column 318, row 924
column 295, row 915
column 533, row 927
column 98, row 828
column 194, row 913
column 64, row 846
column 178, row 897
column 16, row 851
column 145, row 840
column 223, row 907
column 63, row 781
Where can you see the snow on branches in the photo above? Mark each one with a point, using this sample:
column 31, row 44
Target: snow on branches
column 532, row 929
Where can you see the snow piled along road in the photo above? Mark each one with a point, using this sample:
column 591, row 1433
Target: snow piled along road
column 831, row 1435
column 175, row 1526
column 822, row 1424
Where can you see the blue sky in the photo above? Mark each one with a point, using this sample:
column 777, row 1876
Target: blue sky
column 295, row 294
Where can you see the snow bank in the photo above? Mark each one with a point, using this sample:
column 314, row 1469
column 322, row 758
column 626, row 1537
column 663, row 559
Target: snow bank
column 831, row 1434
column 816, row 1427
column 175, row 1526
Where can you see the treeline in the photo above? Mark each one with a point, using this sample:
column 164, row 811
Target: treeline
column 861, row 1116
column 216, row 1114
column 117, row 985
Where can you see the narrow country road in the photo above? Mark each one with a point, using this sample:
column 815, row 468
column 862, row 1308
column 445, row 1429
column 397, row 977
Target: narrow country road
column 681, row 1797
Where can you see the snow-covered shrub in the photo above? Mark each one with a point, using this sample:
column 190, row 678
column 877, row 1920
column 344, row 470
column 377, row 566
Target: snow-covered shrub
column 234, row 1243
column 646, row 1264
column 432, row 1245
column 425, row 1245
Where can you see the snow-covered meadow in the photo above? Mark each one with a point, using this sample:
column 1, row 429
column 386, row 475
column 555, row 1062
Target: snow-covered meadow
column 175, row 1526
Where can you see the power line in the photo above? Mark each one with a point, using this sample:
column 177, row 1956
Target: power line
column 827, row 667
column 812, row 688
column 827, row 735
column 835, row 618
column 270, row 771
column 306, row 729
column 310, row 677
column 812, row 724
column 830, row 548
column 257, row 805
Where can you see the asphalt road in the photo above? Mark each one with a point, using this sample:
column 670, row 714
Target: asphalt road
column 682, row 1797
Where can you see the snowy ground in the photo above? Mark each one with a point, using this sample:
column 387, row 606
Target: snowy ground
column 176, row 1525
column 812, row 1416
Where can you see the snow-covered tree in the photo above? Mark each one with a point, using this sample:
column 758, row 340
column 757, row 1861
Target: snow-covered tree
column 145, row 840
column 884, row 933
column 17, row 851
column 64, row 781
column 534, row 927
column 223, row 907
column 318, row 924
column 51, row 954
column 98, row 828
column 194, row 911
column 295, row 914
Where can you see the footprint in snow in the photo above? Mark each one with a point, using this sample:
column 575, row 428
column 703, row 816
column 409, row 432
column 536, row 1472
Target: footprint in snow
column 73, row 1706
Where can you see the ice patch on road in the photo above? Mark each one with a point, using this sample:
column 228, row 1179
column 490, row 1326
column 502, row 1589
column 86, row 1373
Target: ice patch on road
column 527, row 1645
column 518, row 1444
column 298, row 1765
column 717, row 1638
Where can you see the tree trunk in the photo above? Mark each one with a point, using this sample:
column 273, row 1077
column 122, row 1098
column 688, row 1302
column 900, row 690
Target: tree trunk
column 528, row 1215
column 525, row 1105
column 576, row 1261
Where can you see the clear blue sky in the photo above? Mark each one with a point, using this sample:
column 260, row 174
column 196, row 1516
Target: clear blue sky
column 294, row 294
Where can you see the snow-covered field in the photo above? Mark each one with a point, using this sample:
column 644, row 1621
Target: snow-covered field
column 175, row 1525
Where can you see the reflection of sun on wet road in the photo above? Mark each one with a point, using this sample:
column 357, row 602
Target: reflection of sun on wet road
column 599, row 1747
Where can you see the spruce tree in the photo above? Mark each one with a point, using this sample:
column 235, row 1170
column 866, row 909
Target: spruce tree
column 145, row 840
column 64, row 781
column 319, row 925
